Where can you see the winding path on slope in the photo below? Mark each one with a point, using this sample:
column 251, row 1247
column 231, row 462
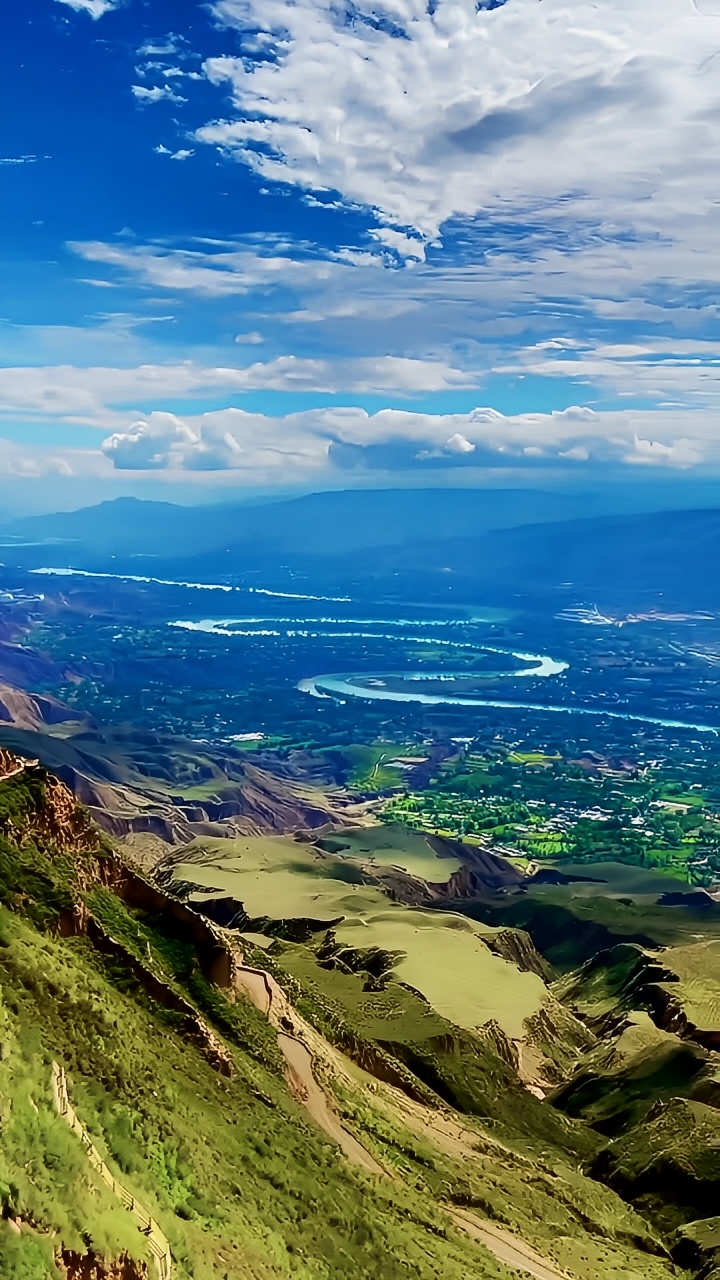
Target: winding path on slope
column 270, row 999
column 293, row 1037
column 157, row 1242
column 506, row 1247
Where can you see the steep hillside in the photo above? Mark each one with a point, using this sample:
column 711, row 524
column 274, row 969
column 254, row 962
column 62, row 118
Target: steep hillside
column 212, row 1099
column 170, row 790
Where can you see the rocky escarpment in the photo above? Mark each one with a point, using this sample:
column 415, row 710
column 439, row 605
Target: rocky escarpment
column 488, row 871
column 260, row 804
column 256, row 802
column 138, row 783
column 375, row 963
column 36, row 806
column 625, row 977
column 697, row 1248
column 34, row 710
column 230, row 913
column 518, row 947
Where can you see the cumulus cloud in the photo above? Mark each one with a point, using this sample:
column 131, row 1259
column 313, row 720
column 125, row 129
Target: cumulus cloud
column 320, row 443
column 458, row 443
column 392, row 439
column 231, row 440
column 531, row 111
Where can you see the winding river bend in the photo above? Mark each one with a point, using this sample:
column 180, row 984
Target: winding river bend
column 373, row 687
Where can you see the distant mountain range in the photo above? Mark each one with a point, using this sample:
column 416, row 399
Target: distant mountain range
column 332, row 523
column 668, row 553
column 504, row 540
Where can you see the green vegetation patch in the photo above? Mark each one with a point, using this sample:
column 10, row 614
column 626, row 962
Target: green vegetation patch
column 446, row 960
column 230, row 1168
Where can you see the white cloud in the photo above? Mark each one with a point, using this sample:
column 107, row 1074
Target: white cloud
column 96, row 8
column 86, row 396
column 173, row 155
column 264, row 448
column 459, row 444
column 552, row 113
column 226, row 272
column 682, row 454
column 558, row 296
column 98, row 397
column 170, row 45
column 32, row 462
column 252, row 339
column 158, row 93
column 321, row 443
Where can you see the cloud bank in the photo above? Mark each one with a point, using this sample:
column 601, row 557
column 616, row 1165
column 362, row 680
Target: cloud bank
column 313, row 445
column 536, row 110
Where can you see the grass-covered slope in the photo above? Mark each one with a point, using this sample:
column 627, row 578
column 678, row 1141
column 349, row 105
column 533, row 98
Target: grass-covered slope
column 441, row 955
column 238, row 1177
column 182, row 1086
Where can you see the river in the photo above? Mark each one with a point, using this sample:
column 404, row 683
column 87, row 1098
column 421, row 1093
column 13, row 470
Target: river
column 327, row 686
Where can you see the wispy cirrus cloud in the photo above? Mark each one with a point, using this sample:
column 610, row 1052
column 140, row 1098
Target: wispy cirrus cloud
column 547, row 315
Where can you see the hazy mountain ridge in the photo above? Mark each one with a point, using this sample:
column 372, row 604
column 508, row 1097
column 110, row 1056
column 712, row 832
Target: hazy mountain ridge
column 514, row 540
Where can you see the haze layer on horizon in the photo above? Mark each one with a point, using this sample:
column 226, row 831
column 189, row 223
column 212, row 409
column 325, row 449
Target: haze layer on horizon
column 252, row 247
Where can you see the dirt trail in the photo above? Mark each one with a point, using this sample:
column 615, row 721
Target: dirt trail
column 157, row 1243
column 295, row 1038
column 506, row 1247
column 302, row 1046
column 300, row 1071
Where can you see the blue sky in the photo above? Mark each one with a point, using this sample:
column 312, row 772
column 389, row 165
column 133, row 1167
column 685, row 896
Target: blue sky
column 250, row 246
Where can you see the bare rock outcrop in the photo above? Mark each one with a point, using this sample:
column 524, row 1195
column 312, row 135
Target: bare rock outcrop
column 517, row 946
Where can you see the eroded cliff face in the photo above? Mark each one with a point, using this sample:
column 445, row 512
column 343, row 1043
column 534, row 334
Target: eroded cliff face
column 91, row 1266
column 516, row 946
column 62, row 821
column 43, row 809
